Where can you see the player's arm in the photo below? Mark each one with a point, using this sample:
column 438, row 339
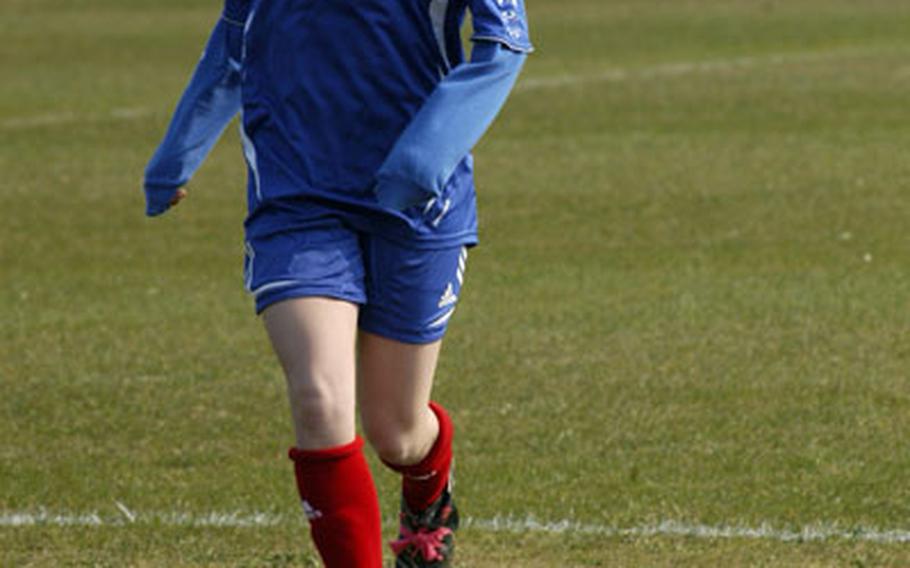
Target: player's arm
column 210, row 101
column 459, row 110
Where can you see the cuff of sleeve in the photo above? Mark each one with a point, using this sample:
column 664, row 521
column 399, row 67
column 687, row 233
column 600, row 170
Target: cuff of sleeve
column 518, row 45
column 158, row 198
column 399, row 193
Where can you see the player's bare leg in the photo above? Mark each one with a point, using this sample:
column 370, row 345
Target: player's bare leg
column 314, row 339
column 395, row 380
column 414, row 437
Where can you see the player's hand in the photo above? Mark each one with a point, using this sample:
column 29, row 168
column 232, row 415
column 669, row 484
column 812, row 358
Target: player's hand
column 179, row 196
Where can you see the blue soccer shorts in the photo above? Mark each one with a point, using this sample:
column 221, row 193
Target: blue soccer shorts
column 405, row 293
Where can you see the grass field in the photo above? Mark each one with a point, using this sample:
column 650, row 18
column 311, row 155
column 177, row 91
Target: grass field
column 687, row 332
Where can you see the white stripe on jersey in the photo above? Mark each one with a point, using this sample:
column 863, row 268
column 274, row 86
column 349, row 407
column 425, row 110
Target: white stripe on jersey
column 248, row 267
column 249, row 151
column 445, row 209
column 438, row 9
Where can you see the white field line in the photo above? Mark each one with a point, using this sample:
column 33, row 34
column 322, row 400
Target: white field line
column 820, row 532
column 684, row 68
column 68, row 117
column 765, row 531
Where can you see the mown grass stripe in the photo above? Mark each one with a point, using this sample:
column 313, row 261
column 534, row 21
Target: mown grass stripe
column 661, row 71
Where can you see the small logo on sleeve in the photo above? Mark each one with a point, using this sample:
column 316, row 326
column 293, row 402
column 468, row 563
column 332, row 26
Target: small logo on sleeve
column 511, row 17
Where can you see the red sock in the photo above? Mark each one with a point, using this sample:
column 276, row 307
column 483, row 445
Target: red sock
column 339, row 498
column 423, row 483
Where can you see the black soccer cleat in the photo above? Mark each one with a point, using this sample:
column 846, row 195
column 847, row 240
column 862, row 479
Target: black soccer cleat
column 426, row 539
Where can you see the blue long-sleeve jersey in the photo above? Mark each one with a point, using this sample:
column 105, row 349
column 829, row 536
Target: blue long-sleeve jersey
column 368, row 104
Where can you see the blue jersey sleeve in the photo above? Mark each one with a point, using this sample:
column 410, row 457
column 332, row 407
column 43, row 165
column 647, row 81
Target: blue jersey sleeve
column 236, row 11
column 448, row 125
column 210, row 101
column 503, row 21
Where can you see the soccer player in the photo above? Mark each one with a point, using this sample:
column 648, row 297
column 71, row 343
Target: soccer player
column 358, row 117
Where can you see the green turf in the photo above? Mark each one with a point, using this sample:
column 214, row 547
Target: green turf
column 691, row 302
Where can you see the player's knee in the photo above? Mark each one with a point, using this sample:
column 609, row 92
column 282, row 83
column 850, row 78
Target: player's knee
column 320, row 403
column 394, row 439
column 392, row 450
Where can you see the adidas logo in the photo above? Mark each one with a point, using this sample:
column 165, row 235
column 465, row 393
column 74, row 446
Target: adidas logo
column 448, row 297
column 311, row 512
